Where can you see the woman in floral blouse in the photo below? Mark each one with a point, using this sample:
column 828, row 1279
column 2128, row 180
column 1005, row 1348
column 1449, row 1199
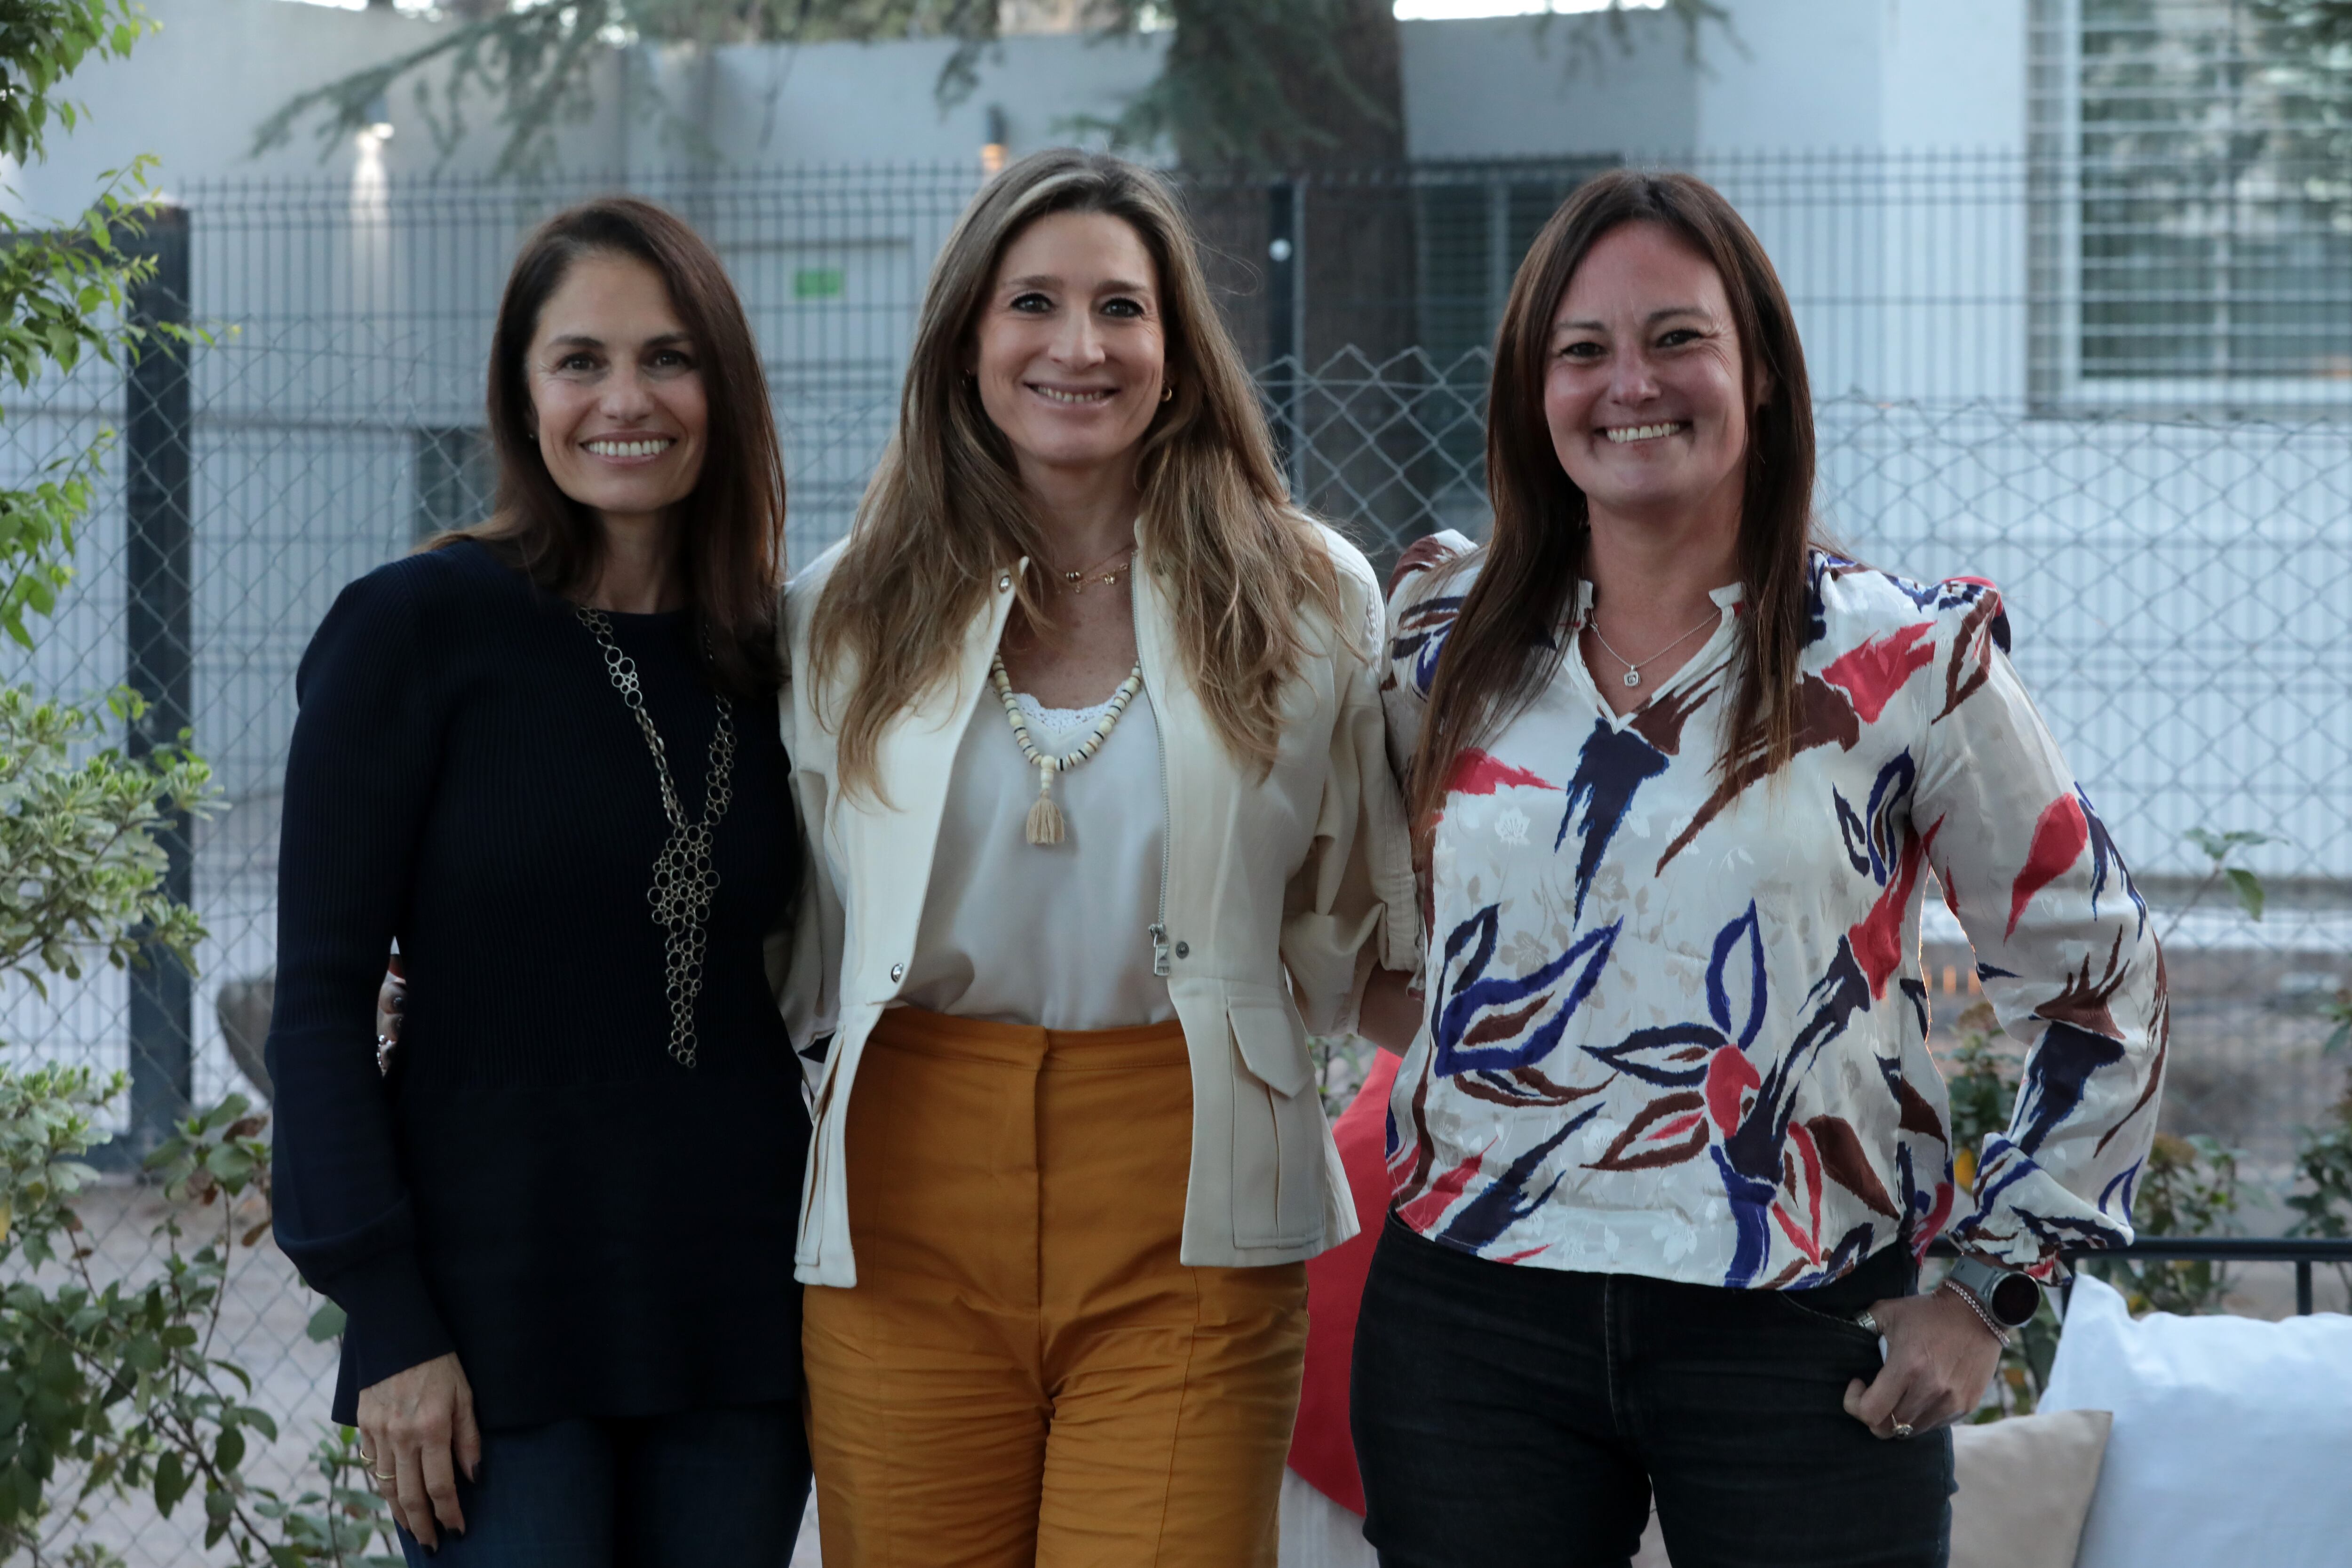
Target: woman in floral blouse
column 1670, row 1142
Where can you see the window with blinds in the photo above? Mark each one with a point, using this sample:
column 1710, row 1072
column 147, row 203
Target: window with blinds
column 2192, row 192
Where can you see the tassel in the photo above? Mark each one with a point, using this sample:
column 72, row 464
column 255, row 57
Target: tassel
column 1045, row 816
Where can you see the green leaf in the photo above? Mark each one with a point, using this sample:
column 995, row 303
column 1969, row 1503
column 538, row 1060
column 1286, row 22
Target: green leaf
column 228, row 1449
column 2250, row 890
column 172, row 1482
column 326, row 1322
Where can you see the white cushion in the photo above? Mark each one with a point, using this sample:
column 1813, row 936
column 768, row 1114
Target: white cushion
column 1317, row 1532
column 2232, row 1441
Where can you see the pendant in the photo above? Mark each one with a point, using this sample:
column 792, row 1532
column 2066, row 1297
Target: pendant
column 1633, row 676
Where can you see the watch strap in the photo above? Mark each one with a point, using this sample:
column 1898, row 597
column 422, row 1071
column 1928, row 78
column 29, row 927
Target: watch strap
column 1987, row 1283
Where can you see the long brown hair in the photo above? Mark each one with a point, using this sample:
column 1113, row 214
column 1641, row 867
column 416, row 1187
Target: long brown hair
column 730, row 542
column 945, row 512
column 1500, row 652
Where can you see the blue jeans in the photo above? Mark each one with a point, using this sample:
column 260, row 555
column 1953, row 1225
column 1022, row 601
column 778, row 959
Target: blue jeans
column 702, row 1489
column 1507, row 1416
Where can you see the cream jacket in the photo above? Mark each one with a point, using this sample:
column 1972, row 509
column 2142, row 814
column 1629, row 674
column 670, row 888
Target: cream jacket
column 1280, row 894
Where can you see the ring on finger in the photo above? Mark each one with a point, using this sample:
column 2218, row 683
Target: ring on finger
column 1902, row 1429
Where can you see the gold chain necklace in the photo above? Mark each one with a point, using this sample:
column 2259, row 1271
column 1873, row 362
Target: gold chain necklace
column 1045, row 825
column 1077, row 581
column 684, row 877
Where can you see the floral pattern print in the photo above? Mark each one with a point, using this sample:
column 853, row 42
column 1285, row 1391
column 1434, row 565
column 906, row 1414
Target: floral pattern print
column 1675, row 1022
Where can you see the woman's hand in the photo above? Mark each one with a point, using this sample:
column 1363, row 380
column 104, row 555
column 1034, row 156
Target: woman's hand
column 1390, row 1014
column 1939, row 1356
column 417, row 1432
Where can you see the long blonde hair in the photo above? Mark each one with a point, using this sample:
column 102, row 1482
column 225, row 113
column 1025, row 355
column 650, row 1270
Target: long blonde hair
column 945, row 512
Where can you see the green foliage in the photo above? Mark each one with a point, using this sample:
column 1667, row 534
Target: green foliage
column 2217, row 848
column 80, row 869
column 1235, row 74
column 1981, row 1077
column 117, row 1381
column 42, row 42
column 109, row 1386
column 2315, row 29
column 2189, row 1186
column 2322, row 1199
column 63, row 293
column 2338, row 1011
column 535, row 62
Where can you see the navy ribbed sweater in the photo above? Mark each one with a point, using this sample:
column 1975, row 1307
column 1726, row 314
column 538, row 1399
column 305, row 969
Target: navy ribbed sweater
column 594, row 1229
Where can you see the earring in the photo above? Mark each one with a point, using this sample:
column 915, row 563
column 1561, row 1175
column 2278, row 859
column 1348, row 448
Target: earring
column 1166, row 391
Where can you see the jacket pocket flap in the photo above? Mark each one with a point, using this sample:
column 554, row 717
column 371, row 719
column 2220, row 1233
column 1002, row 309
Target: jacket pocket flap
column 1270, row 1043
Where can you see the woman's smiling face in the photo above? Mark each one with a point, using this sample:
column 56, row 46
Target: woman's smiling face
column 617, row 399
column 1069, row 352
column 1645, row 390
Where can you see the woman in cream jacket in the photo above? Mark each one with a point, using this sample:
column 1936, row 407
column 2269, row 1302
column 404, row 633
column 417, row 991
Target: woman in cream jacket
column 1055, row 995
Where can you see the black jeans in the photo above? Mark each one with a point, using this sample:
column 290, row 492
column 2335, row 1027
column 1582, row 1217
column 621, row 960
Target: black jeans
column 703, row 1489
column 1515, row 1418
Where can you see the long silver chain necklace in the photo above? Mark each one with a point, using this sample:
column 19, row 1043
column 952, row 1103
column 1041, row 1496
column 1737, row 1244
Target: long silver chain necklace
column 1633, row 670
column 684, row 877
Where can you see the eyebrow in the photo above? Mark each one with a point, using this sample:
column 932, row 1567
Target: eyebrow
column 1652, row 319
column 1113, row 286
column 584, row 340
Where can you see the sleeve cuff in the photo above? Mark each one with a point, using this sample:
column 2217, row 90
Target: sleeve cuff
column 394, row 1324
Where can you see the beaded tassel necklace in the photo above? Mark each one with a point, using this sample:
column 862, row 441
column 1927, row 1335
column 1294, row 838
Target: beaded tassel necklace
column 1046, row 824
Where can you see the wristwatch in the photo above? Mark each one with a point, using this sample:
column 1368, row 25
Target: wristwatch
column 2008, row 1296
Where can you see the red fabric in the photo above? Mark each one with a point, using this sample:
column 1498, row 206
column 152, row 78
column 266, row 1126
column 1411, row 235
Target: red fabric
column 1320, row 1449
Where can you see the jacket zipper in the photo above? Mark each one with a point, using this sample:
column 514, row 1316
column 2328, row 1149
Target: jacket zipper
column 1158, row 930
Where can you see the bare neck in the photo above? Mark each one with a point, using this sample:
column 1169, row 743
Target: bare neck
column 639, row 575
column 1086, row 514
column 1664, row 565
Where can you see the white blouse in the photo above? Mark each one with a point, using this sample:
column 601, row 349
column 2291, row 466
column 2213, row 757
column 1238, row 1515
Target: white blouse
column 1056, row 935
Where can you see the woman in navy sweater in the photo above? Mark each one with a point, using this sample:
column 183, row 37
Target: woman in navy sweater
column 543, row 757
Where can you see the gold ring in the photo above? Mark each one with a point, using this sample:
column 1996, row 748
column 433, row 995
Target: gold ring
column 1903, row 1428
column 379, row 1475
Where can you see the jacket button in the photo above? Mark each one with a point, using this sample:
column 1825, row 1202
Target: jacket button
column 898, row 972
column 1184, row 950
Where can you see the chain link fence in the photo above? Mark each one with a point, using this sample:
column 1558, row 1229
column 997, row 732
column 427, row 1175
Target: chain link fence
column 2180, row 588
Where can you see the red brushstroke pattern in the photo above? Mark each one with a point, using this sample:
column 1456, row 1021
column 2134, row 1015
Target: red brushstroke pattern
column 1477, row 773
column 2059, row 840
column 1873, row 673
column 1877, row 937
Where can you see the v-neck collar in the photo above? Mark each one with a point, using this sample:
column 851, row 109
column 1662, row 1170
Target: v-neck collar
column 1726, row 599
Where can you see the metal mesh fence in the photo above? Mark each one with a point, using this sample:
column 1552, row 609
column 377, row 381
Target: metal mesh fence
column 2180, row 588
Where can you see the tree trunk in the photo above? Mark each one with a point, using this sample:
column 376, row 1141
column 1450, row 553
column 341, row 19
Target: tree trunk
column 1302, row 102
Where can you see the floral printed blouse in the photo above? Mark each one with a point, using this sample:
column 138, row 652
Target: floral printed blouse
column 1676, row 1021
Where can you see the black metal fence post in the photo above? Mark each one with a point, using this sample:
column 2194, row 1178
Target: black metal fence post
column 156, row 617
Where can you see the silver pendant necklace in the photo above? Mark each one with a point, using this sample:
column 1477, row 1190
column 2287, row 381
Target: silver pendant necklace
column 1633, row 670
column 684, row 877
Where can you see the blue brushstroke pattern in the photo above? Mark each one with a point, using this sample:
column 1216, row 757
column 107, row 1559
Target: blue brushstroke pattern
column 1612, row 766
column 1502, row 1204
column 2056, row 1080
column 1470, row 993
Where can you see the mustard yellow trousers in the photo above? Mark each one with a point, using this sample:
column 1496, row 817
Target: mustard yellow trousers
column 1025, row 1373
